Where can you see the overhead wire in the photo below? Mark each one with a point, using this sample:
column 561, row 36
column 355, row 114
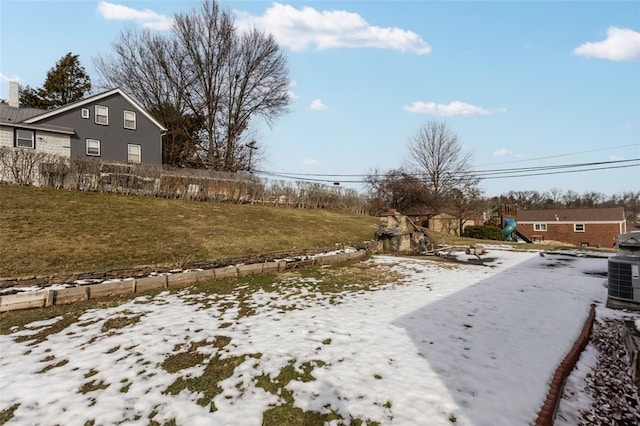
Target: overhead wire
column 562, row 155
column 482, row 174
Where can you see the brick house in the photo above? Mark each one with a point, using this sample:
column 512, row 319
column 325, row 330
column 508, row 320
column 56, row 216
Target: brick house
column 596, row 227
column 109, row 126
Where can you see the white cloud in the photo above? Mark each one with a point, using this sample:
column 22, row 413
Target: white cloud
column 454, row 108
column 317, row 105
column 302, row 28
column 502, row 152
column 290, row 92
column 146, row 17
column 311, row 161
column 621, row 44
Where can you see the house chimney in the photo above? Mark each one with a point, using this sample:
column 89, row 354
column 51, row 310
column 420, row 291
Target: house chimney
column 14, row 95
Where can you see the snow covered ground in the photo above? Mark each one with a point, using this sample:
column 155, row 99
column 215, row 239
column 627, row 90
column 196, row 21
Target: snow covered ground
column 446, row 344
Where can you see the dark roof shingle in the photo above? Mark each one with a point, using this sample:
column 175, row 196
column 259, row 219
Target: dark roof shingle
column 572, row 215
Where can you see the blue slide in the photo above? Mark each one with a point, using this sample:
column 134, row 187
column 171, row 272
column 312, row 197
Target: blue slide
column 511, row 227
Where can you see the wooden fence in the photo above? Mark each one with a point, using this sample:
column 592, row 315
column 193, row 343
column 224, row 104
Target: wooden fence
column 45, row 298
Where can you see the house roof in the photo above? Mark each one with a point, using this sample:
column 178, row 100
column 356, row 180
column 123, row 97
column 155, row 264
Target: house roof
column 573, row 215
column 15, row 117
column 94, row 98
column 9, row 114
column 43, row 127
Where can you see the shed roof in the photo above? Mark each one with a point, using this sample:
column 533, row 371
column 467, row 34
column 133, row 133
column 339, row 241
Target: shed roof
column 606, row 214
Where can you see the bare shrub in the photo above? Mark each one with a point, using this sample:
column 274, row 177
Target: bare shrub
column 154, row 180
column 20, row 165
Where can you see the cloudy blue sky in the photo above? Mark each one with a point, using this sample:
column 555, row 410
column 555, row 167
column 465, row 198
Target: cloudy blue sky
column 523, row 84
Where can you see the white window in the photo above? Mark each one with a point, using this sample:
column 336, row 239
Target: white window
column 542, row 227
column 85, row 113
column 129, row 120
column 578, row 227
column 25, row 138
column 93, row 147
column 134, row 153
column 102, row 115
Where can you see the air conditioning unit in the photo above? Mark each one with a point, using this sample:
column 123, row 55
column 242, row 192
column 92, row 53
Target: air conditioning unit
column 623, row 278
column 624, row 281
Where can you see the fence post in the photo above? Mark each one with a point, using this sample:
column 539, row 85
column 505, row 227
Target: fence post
column 50, row 300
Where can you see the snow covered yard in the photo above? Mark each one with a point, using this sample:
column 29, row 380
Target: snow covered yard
column 427, row 343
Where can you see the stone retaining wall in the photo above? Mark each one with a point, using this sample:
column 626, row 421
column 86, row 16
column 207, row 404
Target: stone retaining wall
column 143, row 271
column 133, row 285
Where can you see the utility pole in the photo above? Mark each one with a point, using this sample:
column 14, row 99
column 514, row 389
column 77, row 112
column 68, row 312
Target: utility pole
column 251, row 145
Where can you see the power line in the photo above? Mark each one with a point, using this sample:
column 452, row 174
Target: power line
column 482, row 174
column 481, row 165
column 562, row 155
column 565, row 171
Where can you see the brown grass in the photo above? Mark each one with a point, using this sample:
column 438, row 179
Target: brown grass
column 47, row 231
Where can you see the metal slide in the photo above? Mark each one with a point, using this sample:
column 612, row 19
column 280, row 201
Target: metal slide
column 524, row 237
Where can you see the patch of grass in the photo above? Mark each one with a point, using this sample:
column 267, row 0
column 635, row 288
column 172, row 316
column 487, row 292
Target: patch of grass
column 286, row 413
column 289, row 415
column 186, row 359
column 217, row 369
column 328, row 280
column 90, row 373
column 52, row 366
column 112, row 350
column 7, row 414
column 93, row 386
column 360, row 422
column 120, row 321
column 17, row 320
column 41, row 336
column 171, row 422
column 349, row 276
column 162, row 231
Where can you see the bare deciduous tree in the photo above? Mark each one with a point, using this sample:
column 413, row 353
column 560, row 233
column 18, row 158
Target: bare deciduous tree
column 571, row 199
column 436, row 156
column 396, row 189
column 552, row 198
column 593, row 199
column 208, row 70
column 465, row 203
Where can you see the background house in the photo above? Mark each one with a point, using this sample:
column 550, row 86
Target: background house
column 596, row 227
column 444, row 223
column 15, row 133
column 109, row 126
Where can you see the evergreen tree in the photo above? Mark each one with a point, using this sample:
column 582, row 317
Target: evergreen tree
column 66, row 82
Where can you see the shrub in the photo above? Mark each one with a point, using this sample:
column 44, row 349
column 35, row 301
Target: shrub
column 483, row 232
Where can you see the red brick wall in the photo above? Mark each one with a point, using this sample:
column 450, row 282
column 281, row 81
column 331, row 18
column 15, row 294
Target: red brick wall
column 595, row 234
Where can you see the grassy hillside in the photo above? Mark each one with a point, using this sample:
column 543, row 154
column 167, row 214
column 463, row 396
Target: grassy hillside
column 45, row 231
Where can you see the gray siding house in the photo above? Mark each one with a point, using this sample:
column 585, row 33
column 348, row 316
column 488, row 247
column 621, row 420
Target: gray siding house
column 109, row 126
